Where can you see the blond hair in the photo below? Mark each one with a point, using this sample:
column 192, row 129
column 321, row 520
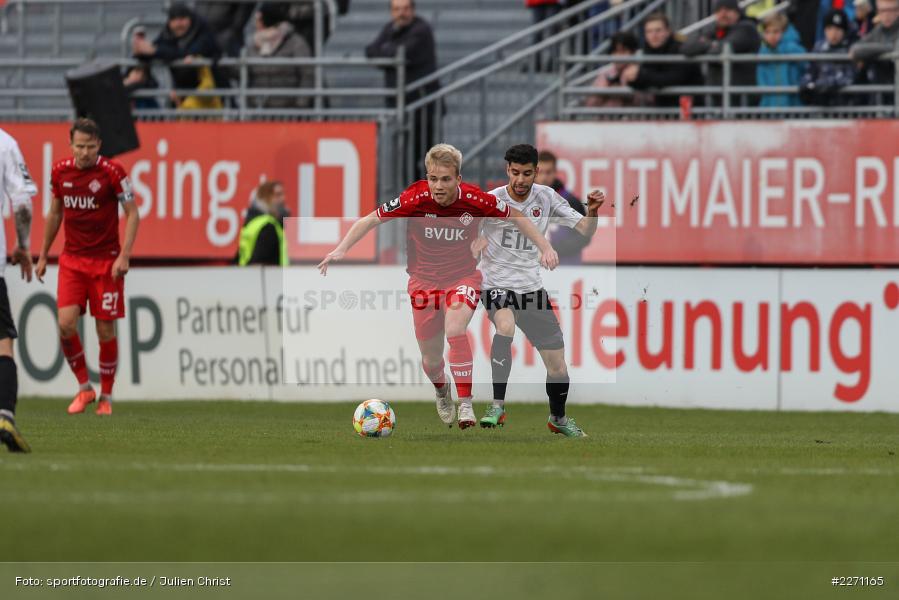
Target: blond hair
column 446, row 155
column 778, row 20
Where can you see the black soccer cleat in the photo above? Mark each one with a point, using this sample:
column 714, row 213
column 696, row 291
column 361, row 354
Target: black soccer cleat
column 10, row 436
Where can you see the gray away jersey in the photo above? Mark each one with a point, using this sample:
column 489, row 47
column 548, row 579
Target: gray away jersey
column 510, row 261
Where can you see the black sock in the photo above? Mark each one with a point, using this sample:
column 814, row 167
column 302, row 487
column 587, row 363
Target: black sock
column 557, row 390
column 501, row 361
column 9, row 384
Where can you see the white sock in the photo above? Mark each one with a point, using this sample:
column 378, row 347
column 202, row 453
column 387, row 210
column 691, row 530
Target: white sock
column 499, row 403
column 85, row 386
column 105, row 397
column 464, row 401
column 558, row 420
column 8, row 414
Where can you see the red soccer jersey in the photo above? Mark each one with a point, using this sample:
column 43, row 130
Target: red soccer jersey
column 90, row 199
column 440, row 237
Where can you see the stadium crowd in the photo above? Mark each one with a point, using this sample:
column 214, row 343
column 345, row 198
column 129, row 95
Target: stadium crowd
column 861, row 29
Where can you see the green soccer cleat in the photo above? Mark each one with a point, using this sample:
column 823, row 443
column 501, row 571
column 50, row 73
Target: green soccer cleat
column 10, row 436
column 569, row 429
column 495, row 417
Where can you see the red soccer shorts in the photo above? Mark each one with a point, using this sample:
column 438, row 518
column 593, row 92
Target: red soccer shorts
column 84, row 281
column 429, row 302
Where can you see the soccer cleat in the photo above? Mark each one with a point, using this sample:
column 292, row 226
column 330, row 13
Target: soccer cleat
column 104, row 407
column 11, row 437
column 496, row 416
column 569, row 429
column 82, row 399
column 446, row 409
column 466, row 416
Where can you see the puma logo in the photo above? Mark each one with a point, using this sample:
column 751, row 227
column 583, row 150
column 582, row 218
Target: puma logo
column 501, row 363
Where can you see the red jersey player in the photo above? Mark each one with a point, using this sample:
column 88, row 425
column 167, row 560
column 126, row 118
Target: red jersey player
column 87, row 192
column 444, row 282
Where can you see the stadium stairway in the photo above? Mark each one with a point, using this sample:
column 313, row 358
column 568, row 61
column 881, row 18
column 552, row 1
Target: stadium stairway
column 461, row 28
column 82, row 31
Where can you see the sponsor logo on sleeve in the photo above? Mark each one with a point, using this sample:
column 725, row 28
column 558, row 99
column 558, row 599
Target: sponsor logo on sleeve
column 391, row 206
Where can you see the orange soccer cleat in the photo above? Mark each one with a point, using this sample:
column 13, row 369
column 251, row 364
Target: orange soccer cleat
column 82, row 399
column 104, row 407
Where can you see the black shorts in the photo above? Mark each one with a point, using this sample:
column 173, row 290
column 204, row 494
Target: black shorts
column 534, row 315
column 7, row 324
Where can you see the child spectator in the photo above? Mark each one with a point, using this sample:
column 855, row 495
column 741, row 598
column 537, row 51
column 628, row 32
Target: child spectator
column 822, row 81
column 779, row 37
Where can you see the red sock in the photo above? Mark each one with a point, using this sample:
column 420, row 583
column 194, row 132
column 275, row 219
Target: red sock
column 74, row 353
column 109, row 360
column 437, row 375
column 460, row 362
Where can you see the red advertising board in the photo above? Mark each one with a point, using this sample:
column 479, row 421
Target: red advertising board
column 785, row 192
column 193, row 182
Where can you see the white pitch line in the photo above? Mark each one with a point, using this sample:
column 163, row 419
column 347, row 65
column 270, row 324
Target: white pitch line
column 681, row 488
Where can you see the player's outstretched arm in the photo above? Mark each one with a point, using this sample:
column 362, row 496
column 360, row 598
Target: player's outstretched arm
column 51, row 228
column 587, row 226
column 358, row 231
column 548, row 257
column 132, row 220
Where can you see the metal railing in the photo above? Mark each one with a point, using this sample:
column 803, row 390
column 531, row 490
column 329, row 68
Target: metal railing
column 719, row 99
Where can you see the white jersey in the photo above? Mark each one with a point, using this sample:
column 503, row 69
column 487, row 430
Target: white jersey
column 15, row 182
column 510, row 261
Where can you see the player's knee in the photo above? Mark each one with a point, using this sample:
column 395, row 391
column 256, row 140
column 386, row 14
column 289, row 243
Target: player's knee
column 68, row 328
column 105, row 330
column 557, row 371
column 504, row 321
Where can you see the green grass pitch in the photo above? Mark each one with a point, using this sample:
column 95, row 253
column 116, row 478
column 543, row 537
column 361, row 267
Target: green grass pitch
column 264, row 482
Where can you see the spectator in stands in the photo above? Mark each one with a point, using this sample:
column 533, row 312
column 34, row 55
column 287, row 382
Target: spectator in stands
column 261, row 239
column 413, row 33
column 779, row 37
column 184, row 38
column 807, row 17
column 623, row 43
column 883, row 39
column 227, row 21
column 822, row 81
column 275, row 38
column 659, row 41
column 540, row 11
column 732, row 28
column 864, row 17
column 566, row 241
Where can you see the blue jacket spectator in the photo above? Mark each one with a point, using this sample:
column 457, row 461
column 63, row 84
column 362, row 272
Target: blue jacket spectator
column 779, row 37
column 822, row 81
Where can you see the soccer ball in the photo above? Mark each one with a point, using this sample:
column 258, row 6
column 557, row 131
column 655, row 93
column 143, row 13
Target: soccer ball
column 374, row 418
